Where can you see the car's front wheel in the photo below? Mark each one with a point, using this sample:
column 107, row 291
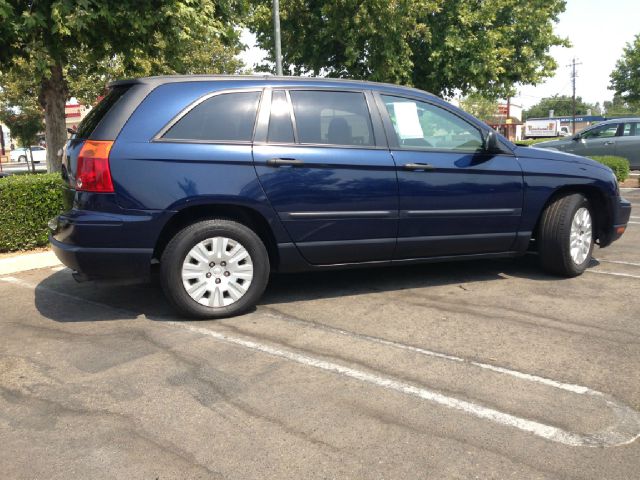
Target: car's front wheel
column 214, row 268
column 565, row 237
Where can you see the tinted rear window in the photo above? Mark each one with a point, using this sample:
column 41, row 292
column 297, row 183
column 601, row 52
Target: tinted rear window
column 97, row 113
column 225, row 117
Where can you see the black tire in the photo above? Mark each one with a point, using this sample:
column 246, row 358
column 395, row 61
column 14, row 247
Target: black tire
column 554, row 236
column 180, row 245
column 22, row 158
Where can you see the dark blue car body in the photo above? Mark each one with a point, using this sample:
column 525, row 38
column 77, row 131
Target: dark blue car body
column 338, row 207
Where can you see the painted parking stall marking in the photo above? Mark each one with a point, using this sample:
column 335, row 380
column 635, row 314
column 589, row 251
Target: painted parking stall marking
column 626, row 430
column 623, row 430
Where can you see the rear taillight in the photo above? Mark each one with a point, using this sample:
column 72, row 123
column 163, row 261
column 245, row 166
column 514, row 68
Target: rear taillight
column 93, row 173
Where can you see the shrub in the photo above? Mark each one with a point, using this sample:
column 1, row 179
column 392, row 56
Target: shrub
column 619, row 165
column 27, row 203
column 533, row 141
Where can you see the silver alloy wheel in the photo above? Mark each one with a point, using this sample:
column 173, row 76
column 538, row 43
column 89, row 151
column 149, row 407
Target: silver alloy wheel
column 581, row 236
column 217, row 272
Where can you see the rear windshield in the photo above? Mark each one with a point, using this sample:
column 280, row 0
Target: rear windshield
column 91, row 121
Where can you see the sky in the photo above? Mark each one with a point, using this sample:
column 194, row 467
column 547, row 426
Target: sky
column 598, row 31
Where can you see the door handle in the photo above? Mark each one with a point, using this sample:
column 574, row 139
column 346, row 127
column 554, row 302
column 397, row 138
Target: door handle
column 277, row 162
column 610, row 142
column 418, row 166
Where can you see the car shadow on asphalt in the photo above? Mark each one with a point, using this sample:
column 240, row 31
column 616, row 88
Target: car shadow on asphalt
column 59, row 298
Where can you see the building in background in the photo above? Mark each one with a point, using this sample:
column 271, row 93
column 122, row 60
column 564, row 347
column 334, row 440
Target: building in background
column 508, row 120
column 74, row 113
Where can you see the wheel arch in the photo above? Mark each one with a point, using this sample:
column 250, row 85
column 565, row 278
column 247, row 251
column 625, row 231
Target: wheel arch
column 247, row 216
column 597, row 201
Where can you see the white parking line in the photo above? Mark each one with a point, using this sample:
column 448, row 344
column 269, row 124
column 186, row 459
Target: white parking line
column 619, row 262
column 616, row 274
column 634, row 223
column 430, row 353
column 626, row 430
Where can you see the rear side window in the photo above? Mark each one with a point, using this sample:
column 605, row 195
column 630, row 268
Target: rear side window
column 631, row 130
column 97, row 113
column 332, row 118
column 225, row 117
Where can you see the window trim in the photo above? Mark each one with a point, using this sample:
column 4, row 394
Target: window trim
column 158, row 137
column 392, row 136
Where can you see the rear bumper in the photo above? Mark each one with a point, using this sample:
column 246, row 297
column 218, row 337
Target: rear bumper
column 70, row 233
column 104, row 262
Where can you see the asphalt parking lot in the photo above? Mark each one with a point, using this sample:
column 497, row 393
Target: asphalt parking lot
column 487, row 370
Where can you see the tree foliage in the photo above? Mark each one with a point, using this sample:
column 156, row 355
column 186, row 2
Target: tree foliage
column 621, row 108
column 625, row 78
column 76, row 46
column 562, row 106
column 480, row 106
column 443, row 46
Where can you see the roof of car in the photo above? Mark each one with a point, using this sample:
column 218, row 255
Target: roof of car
column 622, row 119
column 162, row 79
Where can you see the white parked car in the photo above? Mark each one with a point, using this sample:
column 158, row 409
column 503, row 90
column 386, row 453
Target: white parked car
column 22, row 154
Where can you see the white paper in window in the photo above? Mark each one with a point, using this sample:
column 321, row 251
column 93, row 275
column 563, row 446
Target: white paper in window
column 407, row 120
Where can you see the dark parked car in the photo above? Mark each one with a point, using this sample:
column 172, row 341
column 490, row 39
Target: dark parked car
column 620, row 137
column 223, row 180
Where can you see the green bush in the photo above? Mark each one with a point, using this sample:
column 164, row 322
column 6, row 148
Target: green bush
column 619, row 165
column 533, row 141
column 27, row 203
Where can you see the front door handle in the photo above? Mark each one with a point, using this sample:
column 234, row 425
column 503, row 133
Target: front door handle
column 277, row 162
column 610, row 142
column 418, row 166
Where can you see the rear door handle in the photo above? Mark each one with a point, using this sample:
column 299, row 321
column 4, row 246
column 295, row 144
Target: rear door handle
column 278, row 162
column 418, row 166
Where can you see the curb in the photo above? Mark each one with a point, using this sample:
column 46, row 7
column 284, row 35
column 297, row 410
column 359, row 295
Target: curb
column 28, row 261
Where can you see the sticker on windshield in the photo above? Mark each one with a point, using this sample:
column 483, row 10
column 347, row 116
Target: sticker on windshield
column 407, row 120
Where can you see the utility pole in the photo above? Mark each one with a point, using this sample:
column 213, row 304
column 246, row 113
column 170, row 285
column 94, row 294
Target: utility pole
column 276, row 36
column 574, row 75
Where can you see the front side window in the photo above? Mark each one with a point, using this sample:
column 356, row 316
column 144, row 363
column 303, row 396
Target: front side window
column 332, row 118
column 631, row 130
column 603, row 131
column 225, row 117
column 425, row 126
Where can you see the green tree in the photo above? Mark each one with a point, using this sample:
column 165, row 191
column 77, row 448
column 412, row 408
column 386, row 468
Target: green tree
column 443, row 46
column 562, row 106
column 24, row 126
column 621, row 108
column 69, row 45
column 625, row 78
column 480, row 106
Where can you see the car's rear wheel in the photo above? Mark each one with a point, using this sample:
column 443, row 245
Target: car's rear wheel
column 214, row 268
column 565, row 238
column 22, row 158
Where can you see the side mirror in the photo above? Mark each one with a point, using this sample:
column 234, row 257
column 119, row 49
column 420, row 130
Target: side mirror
column 491, row 142
column 576, row 137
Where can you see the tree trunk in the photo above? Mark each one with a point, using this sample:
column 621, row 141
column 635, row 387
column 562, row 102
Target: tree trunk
column 53, row 96
column 33, row 165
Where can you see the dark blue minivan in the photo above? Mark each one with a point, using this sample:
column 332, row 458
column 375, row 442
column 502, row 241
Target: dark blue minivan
column 223, row 180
